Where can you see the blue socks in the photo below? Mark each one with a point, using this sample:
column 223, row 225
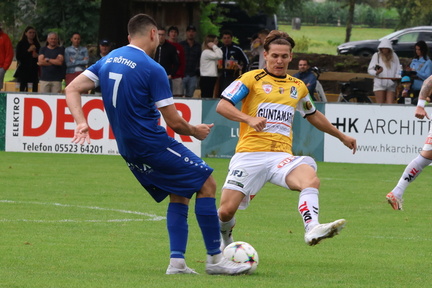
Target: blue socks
column 178, row 229
column 208, row 220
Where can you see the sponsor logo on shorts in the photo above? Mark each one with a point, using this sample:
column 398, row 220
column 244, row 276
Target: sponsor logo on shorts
column 428, row 140
column 286, row 161
column 142, row 168
column 235, row 183
column 238, row 173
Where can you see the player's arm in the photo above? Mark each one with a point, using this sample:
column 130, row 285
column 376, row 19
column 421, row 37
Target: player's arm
column 229, row 111
column 425, row 92
column 73, row 91
column 181, row 126
column 323, row 124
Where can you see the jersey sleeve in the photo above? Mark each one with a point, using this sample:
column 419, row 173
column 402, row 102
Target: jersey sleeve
column 93, row 72
column 235, row 92
column 306, row 106
column 159, row 86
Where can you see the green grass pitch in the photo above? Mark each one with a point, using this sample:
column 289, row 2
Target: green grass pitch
column 84, row 221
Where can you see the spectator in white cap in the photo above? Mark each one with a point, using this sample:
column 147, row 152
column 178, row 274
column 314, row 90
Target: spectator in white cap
column 384, row 65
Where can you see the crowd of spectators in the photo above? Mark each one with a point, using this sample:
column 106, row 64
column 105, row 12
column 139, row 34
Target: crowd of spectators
column 196, row 69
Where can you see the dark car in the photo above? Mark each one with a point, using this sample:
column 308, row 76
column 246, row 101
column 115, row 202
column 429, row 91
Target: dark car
column 403, row 42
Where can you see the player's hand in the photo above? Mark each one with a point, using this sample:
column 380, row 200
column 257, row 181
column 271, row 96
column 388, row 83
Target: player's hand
column 350, row 142
column 81, row 134
column 257, row 123
column 420, row 113
column 202, row 130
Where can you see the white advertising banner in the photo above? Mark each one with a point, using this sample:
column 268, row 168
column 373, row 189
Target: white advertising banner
column 43, row 123
column 386, row 134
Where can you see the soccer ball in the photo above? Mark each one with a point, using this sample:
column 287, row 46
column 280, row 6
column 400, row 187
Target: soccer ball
column 242, row 252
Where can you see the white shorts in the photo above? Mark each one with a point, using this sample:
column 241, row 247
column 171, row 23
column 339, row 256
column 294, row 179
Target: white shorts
column 428, row 144
column 384, row 85
column 249, row 171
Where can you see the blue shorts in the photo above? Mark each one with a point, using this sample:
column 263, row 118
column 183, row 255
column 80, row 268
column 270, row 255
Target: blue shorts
column 176, row 170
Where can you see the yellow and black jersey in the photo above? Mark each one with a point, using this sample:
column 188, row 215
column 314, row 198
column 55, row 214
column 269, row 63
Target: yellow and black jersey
column 272, row 97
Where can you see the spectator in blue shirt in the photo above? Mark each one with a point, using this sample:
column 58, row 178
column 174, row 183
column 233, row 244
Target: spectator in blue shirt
column 307, row 76
column 421, row 64
column 76, row 58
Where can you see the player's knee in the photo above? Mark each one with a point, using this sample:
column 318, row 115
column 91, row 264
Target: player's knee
column 225, row 214
column 208, row 189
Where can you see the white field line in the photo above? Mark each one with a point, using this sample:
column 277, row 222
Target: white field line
column 151, row 217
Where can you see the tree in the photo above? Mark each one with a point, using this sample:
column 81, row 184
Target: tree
column 66, row 17
column 412, row 12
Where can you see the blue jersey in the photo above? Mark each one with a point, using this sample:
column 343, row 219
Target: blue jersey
column 133, row 86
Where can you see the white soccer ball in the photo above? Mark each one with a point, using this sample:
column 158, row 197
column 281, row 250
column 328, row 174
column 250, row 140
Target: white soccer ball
column 242, row 252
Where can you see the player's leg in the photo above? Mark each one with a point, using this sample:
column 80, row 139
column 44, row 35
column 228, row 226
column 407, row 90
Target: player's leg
column 303, row 178
column 412, row 170
column 229, row 203
column 208, row 221
column 178, row 230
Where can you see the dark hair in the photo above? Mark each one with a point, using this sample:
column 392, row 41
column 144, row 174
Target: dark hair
column 423, row 49
column 24, row 36
column 264, row 31
column 140, row 23
column 278, row 37
column 173, row 28
column 227, row 32
column 302, row 59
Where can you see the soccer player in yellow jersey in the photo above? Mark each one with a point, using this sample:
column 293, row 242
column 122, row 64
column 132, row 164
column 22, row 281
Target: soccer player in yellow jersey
column 270, row 98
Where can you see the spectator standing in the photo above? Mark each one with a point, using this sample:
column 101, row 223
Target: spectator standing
column 27, row 71
column 192, row 51
column 104, row 48
column 211, row 53
column 166, row 56
column 421, row 64
column 177, row 77
column 385, row 66
column 76, row 58
column 51, row 61
column 257, row 47
column 234, row 61
column 163, row 166
column 6, row 55
column 307, row 76
column 406, row 95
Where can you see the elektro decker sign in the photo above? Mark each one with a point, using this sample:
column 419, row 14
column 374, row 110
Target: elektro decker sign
column 43, row 123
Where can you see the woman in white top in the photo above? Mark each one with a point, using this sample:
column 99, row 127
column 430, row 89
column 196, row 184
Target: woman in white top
column 210, row 54
column 384, row 66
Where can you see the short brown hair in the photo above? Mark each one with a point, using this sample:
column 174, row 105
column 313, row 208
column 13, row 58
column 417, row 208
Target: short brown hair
column 140, row 23
column 278, row 37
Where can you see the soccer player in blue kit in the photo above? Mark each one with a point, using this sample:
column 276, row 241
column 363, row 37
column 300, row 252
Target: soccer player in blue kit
column 134, row 90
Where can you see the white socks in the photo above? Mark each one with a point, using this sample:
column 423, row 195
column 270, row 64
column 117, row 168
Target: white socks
column 413, row 169
column 226, row 229
column 179, row 263
column 214, row 259
column 308, row 207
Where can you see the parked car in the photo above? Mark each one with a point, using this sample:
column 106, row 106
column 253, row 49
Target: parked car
column 403, row 42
